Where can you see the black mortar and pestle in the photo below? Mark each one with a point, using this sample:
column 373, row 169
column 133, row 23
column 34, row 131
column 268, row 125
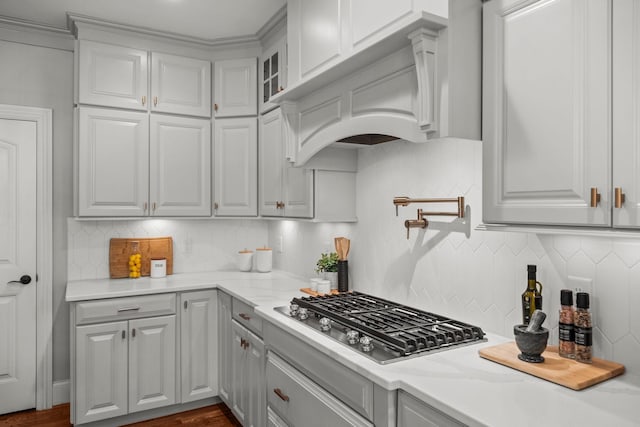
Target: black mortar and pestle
column 532, row 339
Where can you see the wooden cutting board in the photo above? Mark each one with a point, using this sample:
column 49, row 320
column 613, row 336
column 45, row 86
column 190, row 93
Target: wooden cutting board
column 150, row 248
column 566, row 372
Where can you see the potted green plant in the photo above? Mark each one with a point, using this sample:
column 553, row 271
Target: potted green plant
column 328, row 266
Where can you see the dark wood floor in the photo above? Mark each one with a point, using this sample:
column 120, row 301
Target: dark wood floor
column 58, row 416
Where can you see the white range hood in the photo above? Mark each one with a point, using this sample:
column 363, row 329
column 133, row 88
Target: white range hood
column 399, row 87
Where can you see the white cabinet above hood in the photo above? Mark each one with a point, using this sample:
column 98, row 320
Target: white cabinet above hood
column 372, row 71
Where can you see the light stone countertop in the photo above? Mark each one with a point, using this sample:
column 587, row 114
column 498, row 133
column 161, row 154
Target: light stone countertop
column 458, row 381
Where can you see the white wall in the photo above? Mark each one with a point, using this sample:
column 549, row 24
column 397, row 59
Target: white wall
column 454, row 270
column 43, row 77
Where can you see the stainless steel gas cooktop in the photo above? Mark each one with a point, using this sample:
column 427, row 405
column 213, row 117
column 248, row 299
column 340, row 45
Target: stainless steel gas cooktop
column 379, row 329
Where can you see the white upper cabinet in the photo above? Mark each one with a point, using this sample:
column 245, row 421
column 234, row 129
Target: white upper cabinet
column 180, row 166
column 546, row 109
column 235, row 87
column 236, row 167
column 626, row 112
column 117, row 76
column 113, row 162
column 284, row 189
column 273, row 70
column 133, row 165
column 112, row 76
column 180, row 85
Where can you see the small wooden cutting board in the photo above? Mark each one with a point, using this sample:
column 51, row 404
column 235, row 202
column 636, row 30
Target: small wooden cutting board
column 150, row 248
column 559, row 370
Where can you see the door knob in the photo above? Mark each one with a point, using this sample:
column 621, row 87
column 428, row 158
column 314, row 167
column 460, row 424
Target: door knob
column 24, row 280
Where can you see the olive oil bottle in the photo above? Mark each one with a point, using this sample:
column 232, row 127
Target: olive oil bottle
column 532, row 296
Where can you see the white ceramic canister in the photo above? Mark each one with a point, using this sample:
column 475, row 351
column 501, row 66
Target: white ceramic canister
column 158, row 268
column 245, row 260
column 264, row 259
column 313, row 284
column 324, row 286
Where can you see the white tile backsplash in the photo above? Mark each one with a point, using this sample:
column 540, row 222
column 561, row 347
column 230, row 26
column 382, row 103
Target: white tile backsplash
column 452, row 269
column 198, row 245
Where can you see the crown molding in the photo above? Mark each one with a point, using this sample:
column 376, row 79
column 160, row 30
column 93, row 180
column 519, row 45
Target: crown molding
column 273, row 24
column 34, row 33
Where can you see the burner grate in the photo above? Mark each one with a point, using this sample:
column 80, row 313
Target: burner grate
column 403, row 329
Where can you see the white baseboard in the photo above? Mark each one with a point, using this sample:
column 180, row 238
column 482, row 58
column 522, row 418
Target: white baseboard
column 61, row 392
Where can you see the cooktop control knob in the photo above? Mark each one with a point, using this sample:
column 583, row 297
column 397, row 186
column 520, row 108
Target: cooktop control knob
column 353, row 337
column 303, row 314
column 325, row 324
column 293, row 310
column 366, row 344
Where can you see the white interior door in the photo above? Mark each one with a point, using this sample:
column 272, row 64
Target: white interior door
column 17, row 259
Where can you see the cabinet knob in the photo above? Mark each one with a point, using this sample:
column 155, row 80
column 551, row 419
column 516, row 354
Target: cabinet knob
column 124, row 334
column 145, row 207
column 153, row 206
column 133, row 333
column 215, row 107
column 144, row 99
column 618, row 197
column 186, row 304
column 155, row 101
column 215, row 206
column 595, row 197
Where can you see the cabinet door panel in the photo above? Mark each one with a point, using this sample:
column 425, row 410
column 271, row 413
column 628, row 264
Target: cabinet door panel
column 367, row 22
column 271, row 158
column 225, row 354
column 236, row 167
column 546, row 94
column 152, row 363
column 256, row 376
column 101, row 371
column 320, row 34
column 113, row 76
column 180, row 166
column 113, row 165
column 199, row 338
column 236, row 87
column 298, row 192
column 180, row 85
column 239, row 379
column 626, row 111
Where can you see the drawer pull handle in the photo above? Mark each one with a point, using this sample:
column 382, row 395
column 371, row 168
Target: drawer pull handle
column 123, row 309
column 280, row 394
column 133, row 333
column 124, row 335
column 245, row 316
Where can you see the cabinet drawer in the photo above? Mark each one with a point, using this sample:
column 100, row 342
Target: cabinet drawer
column 125, row 308
column 244, row 314
column 301, row 402
column 348, row 386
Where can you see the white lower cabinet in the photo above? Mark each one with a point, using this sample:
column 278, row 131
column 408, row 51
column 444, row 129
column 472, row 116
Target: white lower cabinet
column 198, row 345
column 140, row 353
column 242, row 362
column 415, row 413
column 124, row 367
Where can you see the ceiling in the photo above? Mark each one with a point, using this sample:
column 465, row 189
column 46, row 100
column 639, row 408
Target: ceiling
column 208, row 20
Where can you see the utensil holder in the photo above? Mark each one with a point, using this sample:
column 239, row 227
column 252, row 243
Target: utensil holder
column 343, row 276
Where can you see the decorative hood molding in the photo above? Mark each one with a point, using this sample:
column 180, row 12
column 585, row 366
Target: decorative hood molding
column 395, row 88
